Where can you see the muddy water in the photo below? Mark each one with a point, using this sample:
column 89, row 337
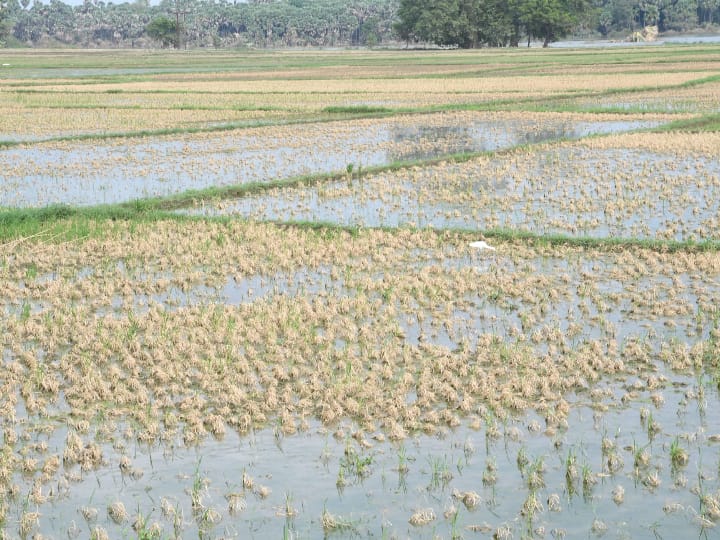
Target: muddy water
column 373, row 489
column 88, row 173
column 314, row 472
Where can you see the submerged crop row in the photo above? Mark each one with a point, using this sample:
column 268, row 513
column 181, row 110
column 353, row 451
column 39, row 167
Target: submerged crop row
column 173, row 335
column 122, row 169
column 643, row 185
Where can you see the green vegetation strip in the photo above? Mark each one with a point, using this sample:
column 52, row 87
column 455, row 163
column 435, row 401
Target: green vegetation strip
column 185, row 107
column 66, row 224
column 356, row 109
column 164, row 63
column 705, row 123
column 511, row 235
column 191, row 197
column 61, row 223
column 24, row 88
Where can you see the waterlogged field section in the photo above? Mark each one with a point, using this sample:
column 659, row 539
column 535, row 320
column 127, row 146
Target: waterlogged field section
column 156, row 377
column 650, row 186
column 255, row 314
column 125, row 169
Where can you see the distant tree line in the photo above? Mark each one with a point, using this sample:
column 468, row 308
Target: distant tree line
column 612, row 16
column 498, row 23
column 495, row 23
column 283, row 23
column 201, row 23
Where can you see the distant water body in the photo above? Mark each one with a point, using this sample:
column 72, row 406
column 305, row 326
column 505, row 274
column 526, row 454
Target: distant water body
column 599, row 43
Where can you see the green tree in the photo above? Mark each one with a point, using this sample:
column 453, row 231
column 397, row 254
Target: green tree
column 445, row 22
column 680, row 15
column 164, row 30
column 5, row 26
column 616, row 16
column 496, row 23
column 408, row 15
column 647, row 13
column 708, row 11
column 461, row 23
column 551, row 20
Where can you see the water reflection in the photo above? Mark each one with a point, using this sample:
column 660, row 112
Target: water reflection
column 81, row 173
column 491, row 136
column 577, row 191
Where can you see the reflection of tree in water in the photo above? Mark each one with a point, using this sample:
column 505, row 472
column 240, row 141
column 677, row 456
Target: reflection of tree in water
column 423, row 142
column 413, row 133
column 431, row 141
column 548, row 133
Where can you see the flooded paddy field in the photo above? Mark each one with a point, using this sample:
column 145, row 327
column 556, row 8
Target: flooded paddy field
column 121, row 170
column 122, row 404
column 40, row 116
column 224, row 375
column 658, row 188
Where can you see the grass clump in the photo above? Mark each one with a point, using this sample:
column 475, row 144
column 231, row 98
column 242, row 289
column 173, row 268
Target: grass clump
column 332, row 523
column 356, row 109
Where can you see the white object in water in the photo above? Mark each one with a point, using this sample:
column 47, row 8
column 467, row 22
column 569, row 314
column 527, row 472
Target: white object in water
column 481, row 244
column 6, row 65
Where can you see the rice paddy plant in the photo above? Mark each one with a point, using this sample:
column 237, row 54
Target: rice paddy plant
column 678, row 455
column 455, row 532
column 332, row 523
column 354, row 465
column 144, row 529
column 535, row 474
column 440, row 474
column 196, row 492
column 403, row 460
column 641, row 457
column 489, row 476
column 653, row 427
column 589, row 480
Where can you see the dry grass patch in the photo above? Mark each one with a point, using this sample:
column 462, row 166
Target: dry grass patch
column 700, row 145
column 42, row 122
